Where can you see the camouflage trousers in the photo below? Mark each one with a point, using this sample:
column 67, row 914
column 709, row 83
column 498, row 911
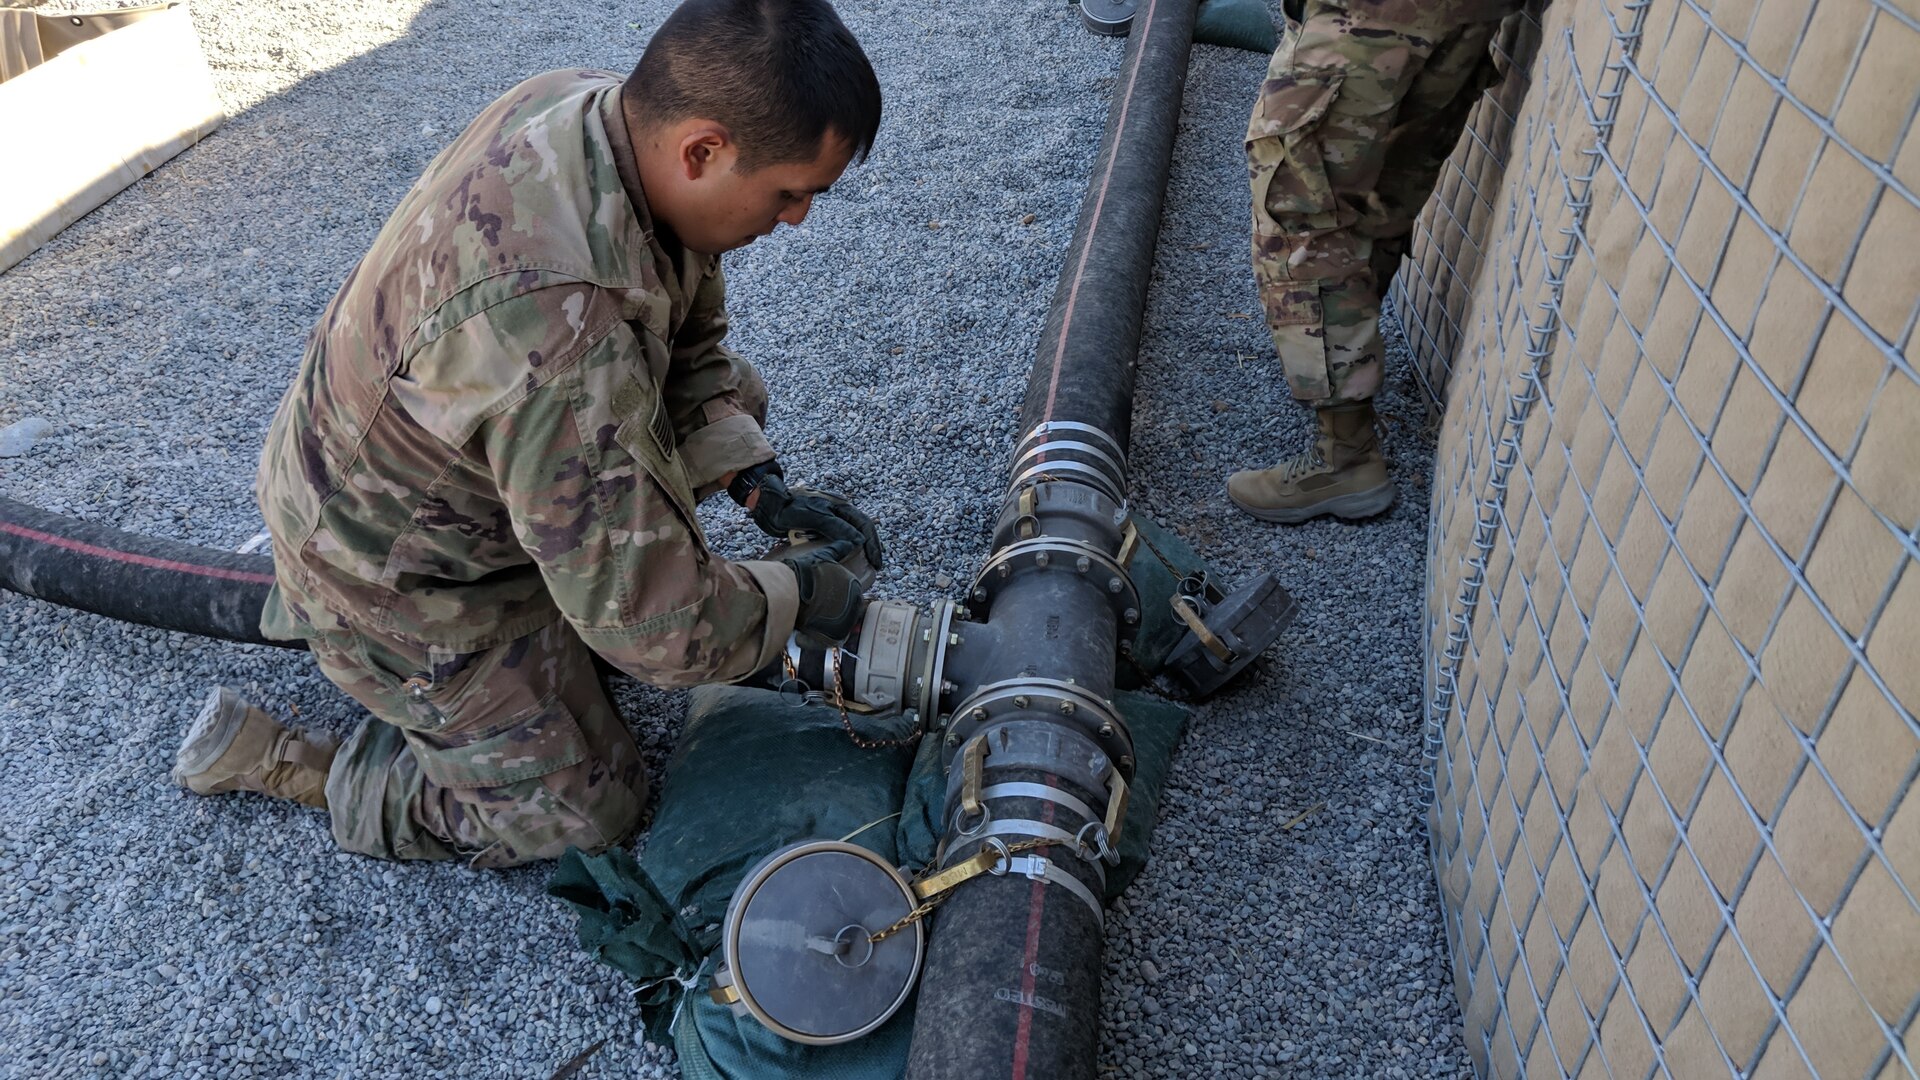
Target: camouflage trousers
column 1362, row 103
column 498, row 757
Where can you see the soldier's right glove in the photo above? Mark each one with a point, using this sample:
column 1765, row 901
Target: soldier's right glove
column 830, row 595
column 780, row 510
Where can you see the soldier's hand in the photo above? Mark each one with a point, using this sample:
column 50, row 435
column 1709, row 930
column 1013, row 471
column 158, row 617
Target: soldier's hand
column 780, row 510
column 830, row 596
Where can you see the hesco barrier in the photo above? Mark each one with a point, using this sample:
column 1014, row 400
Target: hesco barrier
column 1664, row 301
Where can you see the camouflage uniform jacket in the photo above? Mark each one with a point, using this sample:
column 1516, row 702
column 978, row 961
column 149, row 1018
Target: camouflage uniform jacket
column 505, row 413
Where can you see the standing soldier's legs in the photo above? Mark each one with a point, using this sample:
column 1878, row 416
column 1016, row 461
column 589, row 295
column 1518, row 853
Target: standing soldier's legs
column 501, row 756
column 1425, row 131
column 1327, row 133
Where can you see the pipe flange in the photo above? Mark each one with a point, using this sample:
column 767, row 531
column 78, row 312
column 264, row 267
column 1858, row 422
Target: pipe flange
column 929, row 683
column 1062, row 555
column 1060, row 702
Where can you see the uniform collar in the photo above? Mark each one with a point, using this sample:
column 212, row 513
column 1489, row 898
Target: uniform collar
column 685, row 267
column 621, row 144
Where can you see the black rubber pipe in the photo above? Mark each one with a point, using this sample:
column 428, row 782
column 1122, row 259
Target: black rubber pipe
column 1089, row 348
column 1011, row 986
column 136, row 579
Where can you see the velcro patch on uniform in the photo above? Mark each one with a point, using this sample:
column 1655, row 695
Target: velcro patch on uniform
column 626, row 398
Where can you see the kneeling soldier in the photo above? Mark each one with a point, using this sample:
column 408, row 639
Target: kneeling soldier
column 485, row 472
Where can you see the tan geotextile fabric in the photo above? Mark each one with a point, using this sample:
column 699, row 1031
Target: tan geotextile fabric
column 90, row 103
column 1665, row 301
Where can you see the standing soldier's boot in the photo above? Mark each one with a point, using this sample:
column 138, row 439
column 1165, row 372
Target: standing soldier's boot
column 1343, row 474
column 232, row 746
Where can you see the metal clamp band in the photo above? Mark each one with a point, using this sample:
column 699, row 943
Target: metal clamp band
column 1117, row 469
column 996, row 834
column 1041, row 868
column 1107, row 484
column 1051, row 426
column 1022, row 790
column 1023, row 827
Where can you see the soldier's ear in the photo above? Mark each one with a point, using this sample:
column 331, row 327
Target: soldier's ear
column 704, row 147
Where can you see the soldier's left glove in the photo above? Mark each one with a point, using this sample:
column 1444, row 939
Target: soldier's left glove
column 779, row 510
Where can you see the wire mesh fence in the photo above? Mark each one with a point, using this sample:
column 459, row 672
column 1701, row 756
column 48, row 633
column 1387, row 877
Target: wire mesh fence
column 1663, row 301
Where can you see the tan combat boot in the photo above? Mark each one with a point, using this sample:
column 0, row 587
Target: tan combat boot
column 232, row 746
column 1343, row 474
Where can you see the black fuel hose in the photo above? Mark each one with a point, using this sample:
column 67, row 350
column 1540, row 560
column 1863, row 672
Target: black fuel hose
column 1011, row 987
column 1089, row 348
column 132, row 578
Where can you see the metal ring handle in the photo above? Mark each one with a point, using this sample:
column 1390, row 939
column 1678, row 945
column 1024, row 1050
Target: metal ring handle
column 960, row 828
column 1004, row 862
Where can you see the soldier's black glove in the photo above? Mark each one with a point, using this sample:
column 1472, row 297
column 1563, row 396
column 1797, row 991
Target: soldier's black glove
column 829, row 593
column 779, row 510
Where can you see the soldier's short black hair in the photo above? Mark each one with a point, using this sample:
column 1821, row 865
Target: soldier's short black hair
column 778, row 73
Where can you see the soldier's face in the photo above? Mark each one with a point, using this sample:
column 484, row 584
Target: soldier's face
column 727, row 208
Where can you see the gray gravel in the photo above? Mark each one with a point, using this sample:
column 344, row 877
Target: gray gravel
column 144, row 932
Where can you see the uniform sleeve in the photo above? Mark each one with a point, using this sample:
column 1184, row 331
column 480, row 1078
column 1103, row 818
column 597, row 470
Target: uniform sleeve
column 715, row 400
column 600, row 501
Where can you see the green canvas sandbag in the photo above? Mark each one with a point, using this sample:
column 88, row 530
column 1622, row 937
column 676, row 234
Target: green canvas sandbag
column 754, row 772
column 714, row 1044
column 1235, row 24
column 1158, row 562
column 626, row 924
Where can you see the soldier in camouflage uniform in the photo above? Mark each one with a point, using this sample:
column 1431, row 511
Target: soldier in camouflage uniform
column 486, row 471
column 1363, row 101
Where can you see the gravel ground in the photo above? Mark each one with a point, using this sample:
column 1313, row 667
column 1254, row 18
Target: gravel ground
column 144, row 932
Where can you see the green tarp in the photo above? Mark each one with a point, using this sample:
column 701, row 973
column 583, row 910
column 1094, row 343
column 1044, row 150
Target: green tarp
column 753, row 773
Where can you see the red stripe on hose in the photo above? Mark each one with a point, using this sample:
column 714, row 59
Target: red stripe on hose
column 83, row 548
column 1099, row 200
column 1036, row 901
column 1023, row 1039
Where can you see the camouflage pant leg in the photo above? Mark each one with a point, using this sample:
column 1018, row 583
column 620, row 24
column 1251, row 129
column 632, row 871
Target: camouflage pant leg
column 1451, row 81
column 1318, row 149
column 501, row 756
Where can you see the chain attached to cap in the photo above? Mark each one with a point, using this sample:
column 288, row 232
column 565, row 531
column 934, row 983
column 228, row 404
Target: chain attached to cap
column 934, row 889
